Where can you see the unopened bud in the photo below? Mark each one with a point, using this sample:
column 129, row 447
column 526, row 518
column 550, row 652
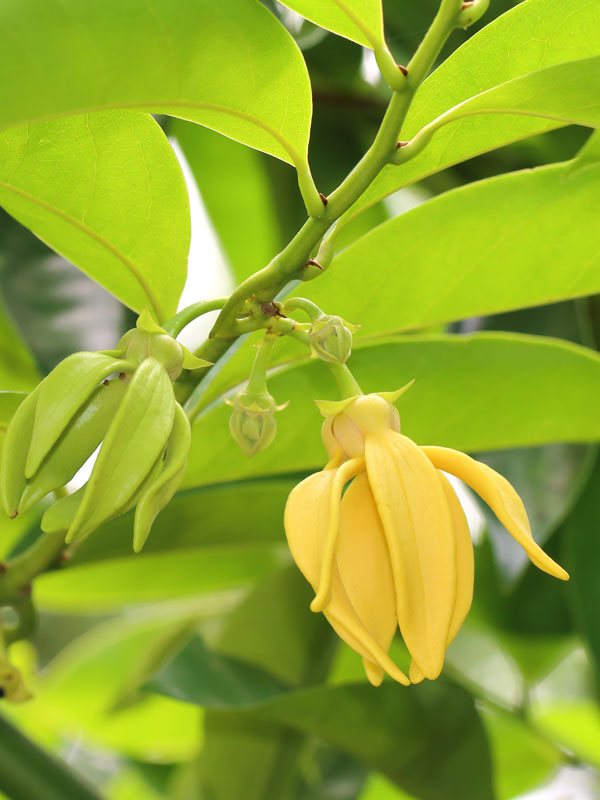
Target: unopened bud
column 252, row 422
column 330, row 339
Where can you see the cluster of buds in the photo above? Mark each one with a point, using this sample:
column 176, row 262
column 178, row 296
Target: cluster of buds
column 122, row 399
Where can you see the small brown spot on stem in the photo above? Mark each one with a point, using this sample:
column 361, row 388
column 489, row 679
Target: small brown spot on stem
column 14, row 514
column 323, row 199
column 401, row 144
column 313, row 263
column 105, row 382
column 121, row 376
column 403, row 70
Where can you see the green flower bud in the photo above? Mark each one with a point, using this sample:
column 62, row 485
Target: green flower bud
column 330, row 339
column 160, row 346
column 252, row 422
column 471, row 12
column 12, row 686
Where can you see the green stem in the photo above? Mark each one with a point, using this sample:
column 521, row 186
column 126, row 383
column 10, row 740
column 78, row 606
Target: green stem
column 310, row 309
column 347, row 383
column 177, row 323
column 258, row 375
column 21, row 570
column 289, row 264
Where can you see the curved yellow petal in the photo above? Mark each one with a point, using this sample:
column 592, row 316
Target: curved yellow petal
column 418, row 528
column 465, row 561
column 363, row 562
column 307, row 517
column 500, row 496
column 341, row 477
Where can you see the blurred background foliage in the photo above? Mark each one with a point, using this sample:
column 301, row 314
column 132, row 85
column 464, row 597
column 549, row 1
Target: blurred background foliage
column 195, row 669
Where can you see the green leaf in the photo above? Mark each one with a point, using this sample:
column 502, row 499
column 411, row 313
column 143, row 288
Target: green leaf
column 230, row 66
column 522, row 758
column 17, row 369
column 197, row 675
column 451, row 258
column 479, row 392
column 104, row 190
column 59, row 309
column 582, row 551
column 232, row 514
column 29, row 773
column 359, row 20
column 115, row 583
column 246, row 222
column 533, row 35
column 566, row 92
column 80, row 691
column 396, row 731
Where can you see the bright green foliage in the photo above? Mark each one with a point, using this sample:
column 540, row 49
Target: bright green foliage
column 359, row 20
column 229, row 66
column 488, row 387
column 105, row 190
column 533, row 35
column 526, row 252
column 195, row 669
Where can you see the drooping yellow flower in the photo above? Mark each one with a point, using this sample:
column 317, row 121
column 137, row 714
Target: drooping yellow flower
column 394, row 548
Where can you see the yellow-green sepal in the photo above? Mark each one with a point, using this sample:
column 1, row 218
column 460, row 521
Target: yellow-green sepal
column 191, row 362
column 136, row 438
column 391, row 397
column 329, row 408
column 79, row 440
column 165, row 484
column 14, row 453
column 61, row 394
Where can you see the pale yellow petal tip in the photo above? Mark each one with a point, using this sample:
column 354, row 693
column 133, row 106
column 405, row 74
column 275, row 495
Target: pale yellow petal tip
column 321, row 600
column 374, row 672
column 415, row 674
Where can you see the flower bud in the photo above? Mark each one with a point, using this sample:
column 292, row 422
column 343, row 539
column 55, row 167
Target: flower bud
column 166, row 350
column 330, row 339
column 252, row 422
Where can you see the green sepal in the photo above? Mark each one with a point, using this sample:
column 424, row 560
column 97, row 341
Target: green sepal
column 145, row 322
column 135, row 439
column 81, row 437
column 166, row 483
column 391, row 397
column 190, row 361
column 14, row 453
column 329, row 408
column 62, row 393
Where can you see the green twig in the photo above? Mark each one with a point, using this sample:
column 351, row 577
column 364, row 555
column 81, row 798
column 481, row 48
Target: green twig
column 176, row 324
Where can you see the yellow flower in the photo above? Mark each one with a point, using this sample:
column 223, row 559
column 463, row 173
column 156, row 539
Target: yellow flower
column 395, row 549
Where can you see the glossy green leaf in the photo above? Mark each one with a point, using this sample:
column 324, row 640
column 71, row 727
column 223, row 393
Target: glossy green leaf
column 522, row 758
column 566, row 92
column 59, row 309
column 17, row 369
column 272, row 631
column 246, row 222
column 211, row 680
column 451, row 258
column 485, row 391
column 230, row 66
column 397, row 732
column 359, row 20
column 104, row 190
column 574, row 725
column 533, row 35
column 115, row 583
column 29, row 773
column 582, row 552
column 78, row 695
column 232, row 514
